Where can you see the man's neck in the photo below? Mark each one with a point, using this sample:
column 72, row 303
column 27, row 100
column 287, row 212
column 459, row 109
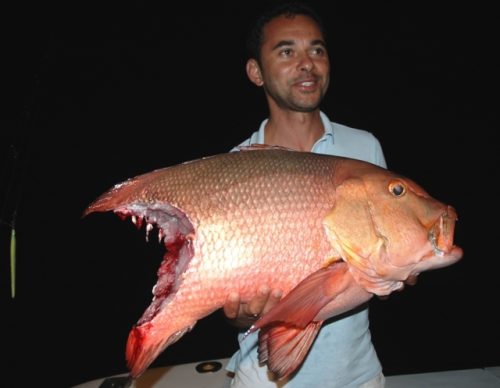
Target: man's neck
column 295, row 130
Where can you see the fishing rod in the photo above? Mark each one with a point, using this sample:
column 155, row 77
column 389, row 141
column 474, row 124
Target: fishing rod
column 8, row 215
column 16, row 162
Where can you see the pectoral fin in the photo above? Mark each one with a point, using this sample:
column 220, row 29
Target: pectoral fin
column 299, row 307
column 288, row 330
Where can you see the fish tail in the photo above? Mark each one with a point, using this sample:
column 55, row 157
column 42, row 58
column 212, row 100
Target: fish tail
column 142, row 349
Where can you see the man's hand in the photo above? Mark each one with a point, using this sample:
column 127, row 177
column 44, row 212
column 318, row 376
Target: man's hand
column 243, row 315
column 410, row 281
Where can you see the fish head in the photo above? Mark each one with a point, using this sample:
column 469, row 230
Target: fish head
column 389, row 229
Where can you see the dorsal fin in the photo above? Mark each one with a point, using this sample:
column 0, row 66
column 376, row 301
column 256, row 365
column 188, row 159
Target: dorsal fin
column 256, row 147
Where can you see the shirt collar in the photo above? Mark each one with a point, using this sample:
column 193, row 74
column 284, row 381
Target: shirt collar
column 262, row 129
column 327, row 124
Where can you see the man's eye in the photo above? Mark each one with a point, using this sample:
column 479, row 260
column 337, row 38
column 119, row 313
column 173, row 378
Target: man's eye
column 286, row 52
column 319, row 51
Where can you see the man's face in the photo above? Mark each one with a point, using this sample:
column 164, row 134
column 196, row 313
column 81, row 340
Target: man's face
column 294, row 63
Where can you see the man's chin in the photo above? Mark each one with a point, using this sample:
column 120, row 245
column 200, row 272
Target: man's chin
column 305, row 108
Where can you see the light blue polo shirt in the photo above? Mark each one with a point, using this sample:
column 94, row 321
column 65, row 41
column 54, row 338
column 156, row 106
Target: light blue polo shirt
column 342, row 354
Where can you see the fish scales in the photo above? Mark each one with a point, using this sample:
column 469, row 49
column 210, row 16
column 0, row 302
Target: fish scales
column 236, row 220
column 329, row 231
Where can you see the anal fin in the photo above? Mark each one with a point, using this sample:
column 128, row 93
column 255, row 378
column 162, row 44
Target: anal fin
column 283, row 348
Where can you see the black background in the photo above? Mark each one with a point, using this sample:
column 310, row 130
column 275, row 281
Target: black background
column 94, row 94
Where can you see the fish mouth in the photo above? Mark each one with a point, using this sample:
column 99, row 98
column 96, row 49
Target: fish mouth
column 176, row 232
column 443, row 251
column 442, row 232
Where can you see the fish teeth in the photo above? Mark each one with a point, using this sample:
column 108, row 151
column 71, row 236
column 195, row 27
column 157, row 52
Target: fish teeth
column 149, row 228
column 434, row 243
column 136, row 221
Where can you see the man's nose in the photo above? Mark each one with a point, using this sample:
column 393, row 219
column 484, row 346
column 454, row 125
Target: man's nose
column 305, row 63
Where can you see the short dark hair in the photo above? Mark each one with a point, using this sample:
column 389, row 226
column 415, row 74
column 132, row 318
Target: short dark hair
column 288, row 9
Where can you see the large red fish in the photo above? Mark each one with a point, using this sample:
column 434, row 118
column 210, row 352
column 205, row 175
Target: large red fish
column 329, row 231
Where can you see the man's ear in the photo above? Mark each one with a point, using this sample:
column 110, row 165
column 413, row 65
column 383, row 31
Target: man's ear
column 253, row 72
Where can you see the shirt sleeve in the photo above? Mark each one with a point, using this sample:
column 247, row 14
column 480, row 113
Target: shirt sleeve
column 379, row 154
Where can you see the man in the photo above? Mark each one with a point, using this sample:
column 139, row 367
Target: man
column 289, row 60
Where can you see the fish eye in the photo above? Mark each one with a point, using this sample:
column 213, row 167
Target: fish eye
column 397, row 188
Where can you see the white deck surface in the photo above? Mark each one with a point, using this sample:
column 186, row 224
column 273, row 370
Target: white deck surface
column 186, row 376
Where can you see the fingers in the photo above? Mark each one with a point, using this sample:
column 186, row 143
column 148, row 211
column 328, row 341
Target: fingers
column 411, row 280
column 232, row 305
column 245, row 314
column 262, row 302
column 256, row 305
column 273, row 300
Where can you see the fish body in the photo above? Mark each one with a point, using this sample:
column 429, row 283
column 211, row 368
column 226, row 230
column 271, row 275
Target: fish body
column 328, row 231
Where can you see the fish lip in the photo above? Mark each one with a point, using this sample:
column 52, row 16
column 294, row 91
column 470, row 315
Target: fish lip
column 441, row 233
